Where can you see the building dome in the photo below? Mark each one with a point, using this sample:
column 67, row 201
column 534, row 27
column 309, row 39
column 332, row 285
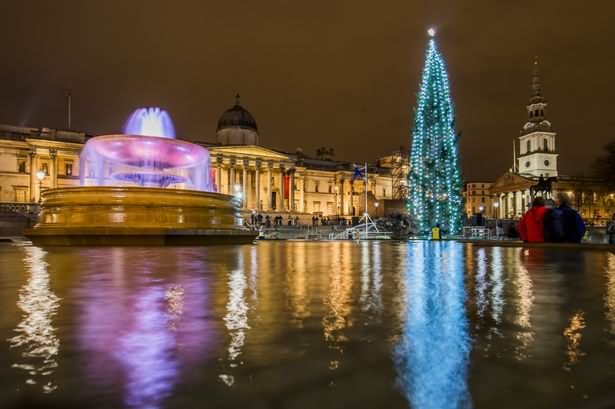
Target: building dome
column 237, row 117
column 237, row 126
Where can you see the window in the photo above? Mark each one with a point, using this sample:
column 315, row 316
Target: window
column 45, row 168
column 21, row 165
column 528, row 146
column 316, row 206
column 384, row 191
column 527, row 164
column 547, row 162
column 482, row 200
column 316, row 187
column 545, row 144
column 330, row 208
column 68, row 168
column 330, row 189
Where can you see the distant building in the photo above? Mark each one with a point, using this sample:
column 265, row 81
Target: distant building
column 537, row 157
column 270, row 180
column 477, row 196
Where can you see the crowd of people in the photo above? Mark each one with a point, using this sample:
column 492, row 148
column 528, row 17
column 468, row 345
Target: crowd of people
column 257, row 220
column 552, row 222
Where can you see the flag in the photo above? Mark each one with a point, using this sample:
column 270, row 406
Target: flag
column 358, row 173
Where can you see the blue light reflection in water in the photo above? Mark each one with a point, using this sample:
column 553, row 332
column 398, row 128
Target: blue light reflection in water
column 432, row 356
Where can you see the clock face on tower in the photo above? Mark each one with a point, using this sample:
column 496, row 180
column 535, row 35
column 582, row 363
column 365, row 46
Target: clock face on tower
column 546, row 163
column 527, row 164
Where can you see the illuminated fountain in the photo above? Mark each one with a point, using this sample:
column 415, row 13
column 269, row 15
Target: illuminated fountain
column 141, row 187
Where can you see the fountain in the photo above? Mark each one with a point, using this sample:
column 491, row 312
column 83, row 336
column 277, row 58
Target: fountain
column 141, row 187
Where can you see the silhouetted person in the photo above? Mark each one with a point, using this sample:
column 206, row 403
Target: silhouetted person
column 564, row 224
column 610, row 230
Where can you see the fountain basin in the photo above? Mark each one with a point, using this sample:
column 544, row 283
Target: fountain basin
column 132, row 215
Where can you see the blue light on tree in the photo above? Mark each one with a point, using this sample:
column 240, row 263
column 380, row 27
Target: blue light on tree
column 435, row 176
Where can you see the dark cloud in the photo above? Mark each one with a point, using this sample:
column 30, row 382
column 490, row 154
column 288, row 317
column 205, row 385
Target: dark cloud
column 340, row 73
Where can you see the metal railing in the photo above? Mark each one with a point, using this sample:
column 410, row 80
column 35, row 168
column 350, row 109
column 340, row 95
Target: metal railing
column 19, row 207
column 359, row 232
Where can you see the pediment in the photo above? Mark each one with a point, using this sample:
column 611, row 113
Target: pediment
column 511, row 182
column 250, row 151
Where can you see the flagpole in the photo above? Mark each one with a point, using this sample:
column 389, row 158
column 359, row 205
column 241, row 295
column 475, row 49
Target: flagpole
column 366, row 213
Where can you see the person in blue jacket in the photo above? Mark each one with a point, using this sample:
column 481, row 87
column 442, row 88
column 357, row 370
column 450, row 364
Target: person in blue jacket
column 564, row 224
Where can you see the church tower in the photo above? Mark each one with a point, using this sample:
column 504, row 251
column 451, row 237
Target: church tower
column 537, row 155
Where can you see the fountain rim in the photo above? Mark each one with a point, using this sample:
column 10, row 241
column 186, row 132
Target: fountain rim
column 201, row 152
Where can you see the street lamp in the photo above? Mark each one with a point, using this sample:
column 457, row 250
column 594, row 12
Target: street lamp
column 40, row 175
column 495, row 206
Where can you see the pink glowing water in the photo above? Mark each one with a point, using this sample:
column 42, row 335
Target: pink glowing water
column 149, row 155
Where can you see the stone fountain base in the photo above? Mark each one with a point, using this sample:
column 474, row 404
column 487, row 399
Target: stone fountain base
column 127, row 215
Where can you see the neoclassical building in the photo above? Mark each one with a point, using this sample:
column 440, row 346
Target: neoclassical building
column 537, row 157
column 269, row 180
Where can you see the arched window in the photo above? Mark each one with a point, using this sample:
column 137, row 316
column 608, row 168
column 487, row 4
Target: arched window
column 529, row 146
column 545, row 143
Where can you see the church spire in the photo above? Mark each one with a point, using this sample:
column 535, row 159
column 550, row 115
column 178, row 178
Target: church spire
column 536, row 84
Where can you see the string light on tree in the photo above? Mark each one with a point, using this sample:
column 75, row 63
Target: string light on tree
column 435, row 177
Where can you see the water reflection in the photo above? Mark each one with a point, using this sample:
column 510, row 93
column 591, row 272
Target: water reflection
column 610, row 292
column 139, row 329
column 236, row 318
column 36, row 336
column 432, row 356
column 497, row 287
column 574, row 334
column 525, row 296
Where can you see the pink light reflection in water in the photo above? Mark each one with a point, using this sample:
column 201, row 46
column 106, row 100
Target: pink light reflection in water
column 142, row 331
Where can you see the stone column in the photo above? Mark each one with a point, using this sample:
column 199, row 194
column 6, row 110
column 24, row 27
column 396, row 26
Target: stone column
column 302, row 194
column 219, row 173
column 282, row 190
column 342, row 209
column 257, row 184
column 33, row 171
column 269, row 176
column 244, row 182
column 291, row 193
column 53, row 171
column 231, row 185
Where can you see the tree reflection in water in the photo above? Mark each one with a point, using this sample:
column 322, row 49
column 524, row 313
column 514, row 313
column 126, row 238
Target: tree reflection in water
column 433, row 353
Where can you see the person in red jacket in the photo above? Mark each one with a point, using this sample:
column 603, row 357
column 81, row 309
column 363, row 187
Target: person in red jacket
column 531, row 225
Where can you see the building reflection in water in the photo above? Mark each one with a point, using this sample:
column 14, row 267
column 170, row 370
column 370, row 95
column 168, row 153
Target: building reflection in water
column 338, row 301
column 573, row 334
column 481, row 282
column 36, row 336
column 236, row 318
column 433, row 353
column 497, row 287
column 139, row 326
column 610, row 291
column 371, row 276
column 525, row 297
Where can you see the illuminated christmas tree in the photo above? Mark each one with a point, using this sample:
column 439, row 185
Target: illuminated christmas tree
column 434, row 180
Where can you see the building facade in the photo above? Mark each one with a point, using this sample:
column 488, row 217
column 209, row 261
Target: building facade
column 269, row 180
column 477, row 198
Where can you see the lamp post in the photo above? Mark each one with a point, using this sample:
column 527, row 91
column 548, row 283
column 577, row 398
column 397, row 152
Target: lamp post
column 495, row 206
column 376, row 204
column 40, row 175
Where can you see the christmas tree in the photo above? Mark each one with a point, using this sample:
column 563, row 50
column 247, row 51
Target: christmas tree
column 435, row 177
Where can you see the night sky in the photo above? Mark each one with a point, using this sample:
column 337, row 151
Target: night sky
column 337, row 73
